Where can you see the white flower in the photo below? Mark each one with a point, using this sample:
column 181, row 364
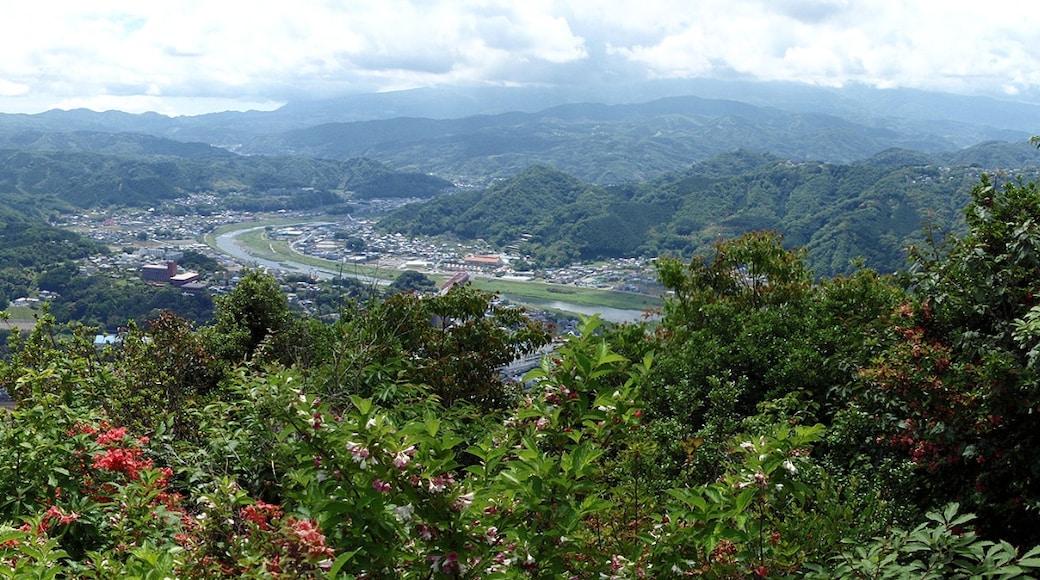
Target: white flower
column 790, row 467
column 464, row 501
column 403, row 513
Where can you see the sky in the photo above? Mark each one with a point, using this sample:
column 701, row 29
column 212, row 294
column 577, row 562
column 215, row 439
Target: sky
column 187, row 57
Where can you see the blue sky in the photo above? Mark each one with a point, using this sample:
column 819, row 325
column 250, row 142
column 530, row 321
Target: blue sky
column 190, row 57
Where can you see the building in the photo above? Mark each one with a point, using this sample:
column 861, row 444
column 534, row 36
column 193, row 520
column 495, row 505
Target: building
column 159, row 272
column 167, row 274
column 483, row 261
column 185, row 278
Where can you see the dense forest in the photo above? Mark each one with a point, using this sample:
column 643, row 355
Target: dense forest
column 772, row 424
column 59, row 180
column 28, row 249
column 870, row 210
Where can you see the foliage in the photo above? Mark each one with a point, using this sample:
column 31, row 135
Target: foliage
column 252, row 312
column 943, row 547
column 452, row 343
column 412, row 281
column 954, row 385
column 109, row 303
column 869, row 210
column 766, row 426
column 746, row 334
column 62, row 179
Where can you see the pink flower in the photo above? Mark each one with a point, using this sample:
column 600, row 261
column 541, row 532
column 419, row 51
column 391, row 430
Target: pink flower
column 112, row 436
column 438, row 484
column 425, row 531
column 361, row 455
column 311, row 537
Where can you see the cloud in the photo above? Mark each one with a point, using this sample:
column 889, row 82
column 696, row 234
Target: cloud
column 10, row 89
column 129, row 54
column 958, row 46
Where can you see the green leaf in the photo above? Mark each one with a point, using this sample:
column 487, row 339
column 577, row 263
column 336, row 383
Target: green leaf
column 342, row 560
column 364, row 406
column 432, row 425
column 744, row 499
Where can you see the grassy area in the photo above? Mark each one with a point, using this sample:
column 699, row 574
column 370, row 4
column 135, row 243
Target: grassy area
column 21, row 312
column 20, row 317
column 550, row 292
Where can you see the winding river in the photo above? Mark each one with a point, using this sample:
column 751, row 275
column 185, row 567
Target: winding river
column 228, row 244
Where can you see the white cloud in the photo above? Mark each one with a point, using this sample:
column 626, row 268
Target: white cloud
column 129, row 54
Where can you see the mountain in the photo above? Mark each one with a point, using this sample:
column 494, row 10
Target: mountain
column 872, row 209
column 119, row 144
column 607, row 143
column 45, row 180
column 955, row 119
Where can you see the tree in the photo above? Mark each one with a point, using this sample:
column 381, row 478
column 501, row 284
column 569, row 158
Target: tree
column 747, row 331
column 955, row 386
column 252, row 312
column 166, row 371
column 453, row 344
column 412, row 281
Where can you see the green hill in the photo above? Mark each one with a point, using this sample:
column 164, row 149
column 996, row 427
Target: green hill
column 86, row 179
column 872, row 209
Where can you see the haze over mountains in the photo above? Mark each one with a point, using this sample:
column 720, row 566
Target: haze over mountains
column 845, row 172
column 856, row 121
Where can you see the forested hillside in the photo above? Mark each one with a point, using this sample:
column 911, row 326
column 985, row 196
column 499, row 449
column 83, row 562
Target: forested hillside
column 871, row 210
column 766, row 426
column 604, row 144
column 117, row 144
column 62, row 178
column 29, row 249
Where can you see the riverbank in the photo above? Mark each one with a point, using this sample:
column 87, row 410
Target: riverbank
column 248, row 242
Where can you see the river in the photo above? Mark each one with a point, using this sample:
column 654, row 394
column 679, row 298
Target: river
column 228, row 244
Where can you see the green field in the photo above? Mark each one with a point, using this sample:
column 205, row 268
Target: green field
column 541, row 291
column 20, row 316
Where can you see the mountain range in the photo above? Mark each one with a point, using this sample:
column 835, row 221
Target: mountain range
column 648, row 168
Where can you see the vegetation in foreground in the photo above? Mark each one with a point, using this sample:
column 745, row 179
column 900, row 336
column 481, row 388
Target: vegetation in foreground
column 769, row 426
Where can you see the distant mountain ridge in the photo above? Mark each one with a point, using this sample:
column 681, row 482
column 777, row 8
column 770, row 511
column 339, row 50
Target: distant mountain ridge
column 600, row 143
column 856, row 102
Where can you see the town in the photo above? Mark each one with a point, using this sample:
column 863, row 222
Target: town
column 147, row 244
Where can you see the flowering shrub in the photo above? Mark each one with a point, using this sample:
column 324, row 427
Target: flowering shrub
column 296, row 472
